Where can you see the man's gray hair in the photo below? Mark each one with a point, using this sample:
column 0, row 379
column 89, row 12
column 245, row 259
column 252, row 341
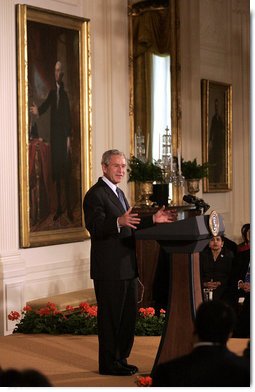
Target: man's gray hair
column 60, row 65
column 106, row 157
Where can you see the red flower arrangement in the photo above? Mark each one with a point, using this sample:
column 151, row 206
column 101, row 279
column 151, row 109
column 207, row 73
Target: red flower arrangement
column 80, row 321
column 145, row 381
column 13, row 315
column 148, row 324
column 147, row 312
column 49, row 319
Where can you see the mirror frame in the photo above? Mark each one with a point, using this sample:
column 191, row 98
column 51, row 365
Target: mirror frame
column 175, row 80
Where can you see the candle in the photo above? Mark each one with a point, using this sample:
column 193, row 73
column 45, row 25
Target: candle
column 147, row 146
column 159, row 146
column 179, row 162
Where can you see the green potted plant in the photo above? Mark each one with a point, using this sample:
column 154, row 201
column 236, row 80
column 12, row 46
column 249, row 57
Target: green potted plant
column 191, row 169
column 193, row 173
column 144, row 173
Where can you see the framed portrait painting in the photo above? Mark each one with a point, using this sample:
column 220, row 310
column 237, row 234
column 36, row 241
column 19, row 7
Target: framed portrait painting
column 217, row 135
column 54, row 125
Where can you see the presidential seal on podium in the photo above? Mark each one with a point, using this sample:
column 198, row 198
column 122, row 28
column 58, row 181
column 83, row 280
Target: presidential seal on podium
column 214, row 223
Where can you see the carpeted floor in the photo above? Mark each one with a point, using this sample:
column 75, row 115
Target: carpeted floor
column 71, row 361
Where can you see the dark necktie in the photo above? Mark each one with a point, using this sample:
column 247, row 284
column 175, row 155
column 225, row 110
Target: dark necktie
column 120, row 196
column 57, row 96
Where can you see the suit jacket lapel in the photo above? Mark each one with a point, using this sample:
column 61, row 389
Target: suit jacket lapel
column 114, row 198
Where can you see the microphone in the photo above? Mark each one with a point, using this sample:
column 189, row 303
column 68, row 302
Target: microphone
column 190, row 199
column 199, row 203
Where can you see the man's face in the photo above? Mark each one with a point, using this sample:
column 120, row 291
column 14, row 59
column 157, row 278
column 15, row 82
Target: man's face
column 58, row 73
column 116, row 169
column 216, row 243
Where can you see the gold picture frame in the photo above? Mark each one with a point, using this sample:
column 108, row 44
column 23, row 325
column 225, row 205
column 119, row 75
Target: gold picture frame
column 53, row 49
column 217, row 135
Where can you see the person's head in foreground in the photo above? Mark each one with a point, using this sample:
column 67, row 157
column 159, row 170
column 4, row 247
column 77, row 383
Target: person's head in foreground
column 214, row 322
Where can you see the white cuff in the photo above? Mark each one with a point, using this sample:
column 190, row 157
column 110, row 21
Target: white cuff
column 118, row 226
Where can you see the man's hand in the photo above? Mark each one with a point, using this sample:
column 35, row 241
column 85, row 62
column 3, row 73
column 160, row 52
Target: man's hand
column 34, row 110
column 164, row 216
column 128, row 219
column 212, row 285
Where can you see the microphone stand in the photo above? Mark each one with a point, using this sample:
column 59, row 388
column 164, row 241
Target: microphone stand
column 199, row 203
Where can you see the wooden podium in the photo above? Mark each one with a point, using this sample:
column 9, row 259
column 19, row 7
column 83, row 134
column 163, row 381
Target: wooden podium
column 148, row 258
column 182, row 240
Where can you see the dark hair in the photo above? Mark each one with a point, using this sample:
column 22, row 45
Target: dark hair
column 219, row 235
column 244, row 231
column 214, row 322
column 108, row 154
column 23, row 378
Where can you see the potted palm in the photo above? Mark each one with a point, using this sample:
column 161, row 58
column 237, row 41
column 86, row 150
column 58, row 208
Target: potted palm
column 144, row 173
column 193, row 173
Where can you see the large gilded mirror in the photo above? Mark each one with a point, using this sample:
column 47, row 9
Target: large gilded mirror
column 154, row 71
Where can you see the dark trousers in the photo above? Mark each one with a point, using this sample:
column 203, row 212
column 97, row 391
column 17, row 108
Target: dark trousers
column 116, row 317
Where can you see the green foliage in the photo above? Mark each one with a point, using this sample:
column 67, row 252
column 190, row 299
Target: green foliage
column 78, row 321
column 191, row 169
column 50, row 320
column 140, row 171
column 148, row 324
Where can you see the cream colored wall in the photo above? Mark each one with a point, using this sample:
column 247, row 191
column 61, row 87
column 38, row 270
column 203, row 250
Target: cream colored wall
column 26, row 274
column 215, row 46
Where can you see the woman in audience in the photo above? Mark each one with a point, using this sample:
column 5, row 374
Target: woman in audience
column 240, row 285
column 245, row 244
column 215, row 268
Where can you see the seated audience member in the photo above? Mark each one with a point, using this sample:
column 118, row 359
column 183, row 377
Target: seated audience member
column 240, row 285
column 210, row 363
column 242, row 329
column 215, row 268
column 245, row 244
column 23, row 378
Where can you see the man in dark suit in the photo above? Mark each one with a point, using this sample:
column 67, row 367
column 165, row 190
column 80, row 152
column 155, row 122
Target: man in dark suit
column 217, row 144
column 111, row 224
column 210, row 364
column 60, row 138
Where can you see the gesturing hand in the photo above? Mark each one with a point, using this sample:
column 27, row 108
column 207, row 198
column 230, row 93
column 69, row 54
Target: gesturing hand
column 128, row 219
column 165, row 216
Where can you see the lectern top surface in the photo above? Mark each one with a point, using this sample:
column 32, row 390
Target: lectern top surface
column 194, row 228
